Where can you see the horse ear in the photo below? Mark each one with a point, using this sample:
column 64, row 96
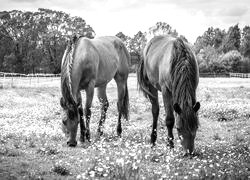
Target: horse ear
column 71, row 112
column 177, row 108
column 197, row 106
column 62, row 103
column 75, row 37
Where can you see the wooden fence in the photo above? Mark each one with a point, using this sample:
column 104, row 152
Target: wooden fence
column 214, row 75
column 51, row 80
column 240, row 75
column 4, row 74
column 28, row 80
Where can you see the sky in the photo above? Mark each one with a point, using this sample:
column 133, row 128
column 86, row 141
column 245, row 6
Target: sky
column 190, row 18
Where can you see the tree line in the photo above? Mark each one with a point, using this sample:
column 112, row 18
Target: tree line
column 217, row 51
column 221, row 51
column 34, row 42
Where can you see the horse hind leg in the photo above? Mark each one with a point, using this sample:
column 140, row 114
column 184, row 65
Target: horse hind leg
column 155, row 112
column 102, row 96
column 82, row 124
column 123, row 101
column 167, row 100
column 89, row 99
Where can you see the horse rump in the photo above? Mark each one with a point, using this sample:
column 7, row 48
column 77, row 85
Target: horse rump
column 143, row 81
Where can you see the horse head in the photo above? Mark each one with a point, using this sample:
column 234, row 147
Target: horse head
column 70, row 120
column 187, row 125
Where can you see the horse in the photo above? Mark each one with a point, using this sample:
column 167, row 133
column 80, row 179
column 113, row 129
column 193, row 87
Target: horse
column 86, row 64
column 169, row 65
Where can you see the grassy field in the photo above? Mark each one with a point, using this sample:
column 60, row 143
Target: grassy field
column 32, row 145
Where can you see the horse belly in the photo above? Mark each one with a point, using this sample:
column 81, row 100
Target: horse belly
column 106, row 71
column 153, row 75
column 158, row 72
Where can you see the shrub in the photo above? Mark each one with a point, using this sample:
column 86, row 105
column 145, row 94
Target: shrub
column 231, row 61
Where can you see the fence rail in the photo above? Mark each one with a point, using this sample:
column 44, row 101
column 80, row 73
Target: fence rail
column 240, row 75
column 4, row 74
column 213, row 75
column 28, row 80
column 53, row 80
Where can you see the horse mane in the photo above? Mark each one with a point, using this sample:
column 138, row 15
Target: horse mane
column 184, row 82
column 66, row 71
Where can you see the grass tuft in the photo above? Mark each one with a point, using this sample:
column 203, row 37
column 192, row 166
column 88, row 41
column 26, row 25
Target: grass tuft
column 216, row 137
column 60, row 169
column 48, row 151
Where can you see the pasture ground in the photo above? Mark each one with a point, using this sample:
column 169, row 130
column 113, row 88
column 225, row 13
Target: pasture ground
column 32, row 145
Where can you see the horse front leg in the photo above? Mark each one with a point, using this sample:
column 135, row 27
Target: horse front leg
column 155, row 113
column 167, row 99
column 82, row 124
column 89, row 99
column 102, row 96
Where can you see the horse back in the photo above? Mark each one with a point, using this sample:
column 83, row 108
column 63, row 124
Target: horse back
column 103, row 57
column 160, row 57
column 157, row 59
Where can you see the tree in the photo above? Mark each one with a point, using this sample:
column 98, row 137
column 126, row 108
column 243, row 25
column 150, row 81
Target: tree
column 122, row 36
column 126, row 40
column 6, row 47
column 162, row 28
column 219, row 35
column 231, row 60
column 232, row 39
column 211, row 37
column 245, row 43
column 37, row 40
column 208, row 60
column 60, row 27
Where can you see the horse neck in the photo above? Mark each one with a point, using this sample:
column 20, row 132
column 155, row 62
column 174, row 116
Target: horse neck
column 184, row 84
column 184, row 95
column 66, row 77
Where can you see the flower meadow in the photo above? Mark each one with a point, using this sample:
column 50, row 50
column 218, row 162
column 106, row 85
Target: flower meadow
column 33, row 146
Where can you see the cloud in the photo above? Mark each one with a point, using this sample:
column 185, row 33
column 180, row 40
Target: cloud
column 24, row 1
column 107, row 17
column 234, row 11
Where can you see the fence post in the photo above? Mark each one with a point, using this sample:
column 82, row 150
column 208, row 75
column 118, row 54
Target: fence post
column 3, row 79
column 11, row 80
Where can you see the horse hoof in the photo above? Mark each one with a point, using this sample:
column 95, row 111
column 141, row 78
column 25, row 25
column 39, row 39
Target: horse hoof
column 119, row 132
column 100, row 133
column 153, row 145
column 170, row 144
column 88, row 136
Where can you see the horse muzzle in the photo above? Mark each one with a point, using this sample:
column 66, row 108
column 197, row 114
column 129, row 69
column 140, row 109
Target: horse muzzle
column 72, row 143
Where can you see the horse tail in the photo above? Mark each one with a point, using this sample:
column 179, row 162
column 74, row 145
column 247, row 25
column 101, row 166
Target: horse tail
column 142, row 80
column 125, row 104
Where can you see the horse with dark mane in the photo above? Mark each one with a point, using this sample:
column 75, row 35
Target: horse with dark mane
column 86, row 64
column 170, row 66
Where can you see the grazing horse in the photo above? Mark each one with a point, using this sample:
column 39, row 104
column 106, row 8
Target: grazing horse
column 86, row 64
column 170, row 66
